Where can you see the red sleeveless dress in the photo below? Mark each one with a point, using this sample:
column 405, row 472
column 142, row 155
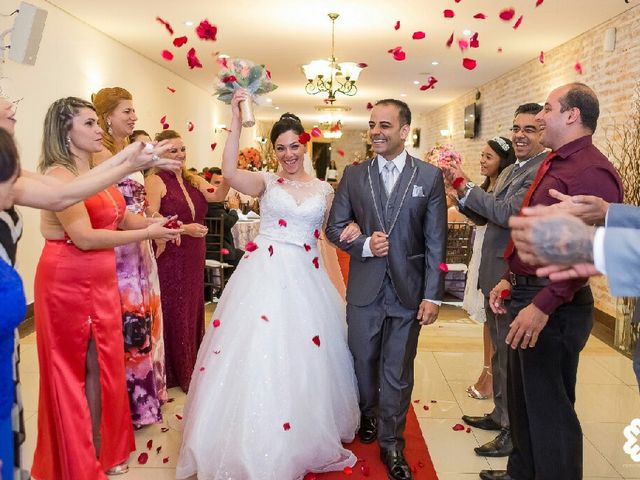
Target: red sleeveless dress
column 76, row 297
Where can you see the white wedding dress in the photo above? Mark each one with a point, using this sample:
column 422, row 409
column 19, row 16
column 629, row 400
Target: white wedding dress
column 473, row 301
column 273, row 394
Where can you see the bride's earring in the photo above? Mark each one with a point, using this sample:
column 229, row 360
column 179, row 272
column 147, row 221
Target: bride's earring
column 68, row 141
column 109, row 129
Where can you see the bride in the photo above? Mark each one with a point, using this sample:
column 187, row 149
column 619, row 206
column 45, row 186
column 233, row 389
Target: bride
column 273, row 394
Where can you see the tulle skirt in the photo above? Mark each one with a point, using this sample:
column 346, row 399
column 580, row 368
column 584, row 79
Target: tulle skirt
column 273, row 394
column 473, row 301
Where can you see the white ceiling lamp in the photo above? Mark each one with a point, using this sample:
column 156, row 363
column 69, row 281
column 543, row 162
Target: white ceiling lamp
column 328, row 76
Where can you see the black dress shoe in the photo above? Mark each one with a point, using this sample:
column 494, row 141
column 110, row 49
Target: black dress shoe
column 495, row 475
column 397, row 467
column 368, row 431
column 501, row 446
column 484, row 423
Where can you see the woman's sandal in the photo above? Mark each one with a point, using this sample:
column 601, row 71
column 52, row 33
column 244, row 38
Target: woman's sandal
column 118, row 469
column 473, row 392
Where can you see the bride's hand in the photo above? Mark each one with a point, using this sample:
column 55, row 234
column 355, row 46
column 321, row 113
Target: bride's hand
column 350, row 233
column 239, row 95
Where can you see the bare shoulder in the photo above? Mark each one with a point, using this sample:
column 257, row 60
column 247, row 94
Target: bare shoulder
column 60, row 172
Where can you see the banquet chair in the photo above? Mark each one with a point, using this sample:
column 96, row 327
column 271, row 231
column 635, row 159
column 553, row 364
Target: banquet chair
column 458, row 254
column 215, row 278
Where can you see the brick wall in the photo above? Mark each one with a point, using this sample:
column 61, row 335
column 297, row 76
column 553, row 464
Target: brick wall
column 612, row 75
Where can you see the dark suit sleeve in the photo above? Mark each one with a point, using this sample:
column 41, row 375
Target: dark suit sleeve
column 230, row 218
column 341, row 215
column 435, row 235
column 473, row 216
column 497, row 211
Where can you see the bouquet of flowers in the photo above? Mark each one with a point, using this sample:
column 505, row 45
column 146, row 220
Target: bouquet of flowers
column 250, row 159
column 238, row 73
column 442, row 155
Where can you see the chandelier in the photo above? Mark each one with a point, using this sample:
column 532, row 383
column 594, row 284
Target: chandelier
column 328, row 76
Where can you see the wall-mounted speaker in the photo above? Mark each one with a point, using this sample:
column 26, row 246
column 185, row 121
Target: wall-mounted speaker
column 27, row 33
column 609, row 40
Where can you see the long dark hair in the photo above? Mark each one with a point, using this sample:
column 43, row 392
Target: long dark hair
column 288, row 121
column 9, row 161
column 504, row 149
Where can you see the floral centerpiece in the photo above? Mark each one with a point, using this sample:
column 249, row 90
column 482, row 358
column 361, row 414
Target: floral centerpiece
column 239, row 73
column 250, row 159
column 442, row 155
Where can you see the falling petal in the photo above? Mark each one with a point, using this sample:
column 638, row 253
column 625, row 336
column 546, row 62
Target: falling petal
column 216, row 323
column 315, row 262
column 213, row 146
column 473, row 41
column 468, row 429
column 192, row 59
column 316, row 340
column 316, row 132
column 179, row 41
column 158, row 450
column 264, row 318
column 431, row 82
column 448, row 13
column 507, row 14
column 450, row 41
column 270, row 250
column 206, row 31
column 425, row 407
column 340, row 152
column 505, row 293
column 458, row 427
column 369, row 105
column 578, row 68
column 307, row 247
column 304, row 138
column 539, row 2
column 316, row 233
column 518, row 22
column 463, row 44
column 499, row 49
column 443, row 266
column 282, row 222
column 418, row 35
column 202, row 369
column 163, row 120
column 166, row 24
column 167, row 55
column 398, row 54
column 416, row 401
column 165, row 126
column 469, row 63
column 480, row 16
column 280, row 180
column 224, row 251
column 541, row 57
column 190, row 127
column 171, row 89
column 397, row 25
column 179, row 417
column 165, row 460
column 142, row 458
column 250, row 247
column 457, row 182
column 150, row 444
column 347, row 470
column 286, row 426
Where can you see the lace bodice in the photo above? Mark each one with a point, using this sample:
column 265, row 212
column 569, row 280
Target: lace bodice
column 293, row 212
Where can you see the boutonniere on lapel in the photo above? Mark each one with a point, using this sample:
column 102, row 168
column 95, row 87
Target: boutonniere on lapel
column 418, row 191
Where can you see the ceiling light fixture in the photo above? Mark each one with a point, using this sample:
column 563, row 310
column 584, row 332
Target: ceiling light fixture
column 435, row 62
column 189, row 23
column 466, row 32
column 328, row 76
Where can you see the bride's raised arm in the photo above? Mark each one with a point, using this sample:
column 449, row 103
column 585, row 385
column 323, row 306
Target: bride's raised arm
column 249, row 183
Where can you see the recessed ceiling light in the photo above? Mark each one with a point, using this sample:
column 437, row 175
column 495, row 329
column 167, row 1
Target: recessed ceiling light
column 416, row 82
column 223, row 55
column 435, row 62
column 277, row 108
column 189, row 23
column 403, row 94
column 466, row 32
column 269, row 100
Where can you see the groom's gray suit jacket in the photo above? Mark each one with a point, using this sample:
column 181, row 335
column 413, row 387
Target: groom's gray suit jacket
column 415, row 218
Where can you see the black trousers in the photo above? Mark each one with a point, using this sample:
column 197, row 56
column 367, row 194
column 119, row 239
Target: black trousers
column 541, row 384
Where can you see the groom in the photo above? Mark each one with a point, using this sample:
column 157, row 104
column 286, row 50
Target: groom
column 395, row 282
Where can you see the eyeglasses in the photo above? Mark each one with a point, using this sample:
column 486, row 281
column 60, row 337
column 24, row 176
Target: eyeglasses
column 527, row 130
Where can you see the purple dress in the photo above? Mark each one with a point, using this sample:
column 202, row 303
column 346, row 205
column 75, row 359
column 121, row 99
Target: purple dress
column 181, row 272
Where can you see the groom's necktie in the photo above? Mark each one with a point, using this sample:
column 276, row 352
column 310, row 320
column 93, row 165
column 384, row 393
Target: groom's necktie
column 389, row 176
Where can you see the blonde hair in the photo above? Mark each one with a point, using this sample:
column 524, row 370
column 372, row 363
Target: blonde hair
column 55, row 138
column 190, row 177
column 106, row 101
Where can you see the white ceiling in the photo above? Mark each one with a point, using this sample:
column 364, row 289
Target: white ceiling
column 284, row 34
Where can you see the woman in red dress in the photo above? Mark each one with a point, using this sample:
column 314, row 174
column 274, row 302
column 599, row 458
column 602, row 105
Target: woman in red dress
column 84, row 427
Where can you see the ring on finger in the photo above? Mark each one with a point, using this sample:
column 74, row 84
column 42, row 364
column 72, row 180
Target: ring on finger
column 155, row 157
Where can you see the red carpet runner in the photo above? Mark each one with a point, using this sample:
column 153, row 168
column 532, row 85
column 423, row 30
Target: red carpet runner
column 370, row 466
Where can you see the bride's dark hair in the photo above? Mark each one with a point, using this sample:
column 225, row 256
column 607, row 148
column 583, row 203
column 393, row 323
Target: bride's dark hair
column 288, row 121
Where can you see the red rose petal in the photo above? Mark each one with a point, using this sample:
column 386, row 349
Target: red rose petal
column 340, row 152
column 425, row 407
column 280, row 180
column 192, row 59
column 163, row 119
column 282, row 222
column 286, row 426
column 431, row 82
column 213, row 146
column 167, row 55
column 165, row 126
column 165, row 460
column 202, row 369
column 264, row 318
column 166, row 24
column 369, row 105
column 468, row 430
column 450, row 41
column 171, row 89
column 539, row 2
column 458, row 427
column 499, row 49
column 347, row 470
column 303, row 138
column 270, row 250
column 211, row 190
column 143, row 458
column 362, row 65
column 315, row 262
column 224, row 251
column 179, row 41
column 307, row 247
column 480, row 16
column 469, row 63
column 473, row 41
column 443, row 266
column 448, row 13
column 316, row 340
column 216, row 352
column 507, row 14
column 366, row 471
column 230, row 78
column 433, row 401
column 578, row 68
column 149, row 444
column 316, row 233
column 310, row 476
column 463, row 44
column 457, row 182
column 397, row 25
column 250, row 247
column 206, row 31
column 518, row 22
column 164, row 429
column 316, row 132
column 418, row 35
column 505, row 293
column 190, row 126
column 216, row 323
column 541, row 57
column 158, row 450
column 416, row 401
column 179, row 417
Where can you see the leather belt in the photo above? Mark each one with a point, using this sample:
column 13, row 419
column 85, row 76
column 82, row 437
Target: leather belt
column 528, row 281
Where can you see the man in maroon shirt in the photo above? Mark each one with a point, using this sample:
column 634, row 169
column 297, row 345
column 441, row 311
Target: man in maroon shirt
column 552, row 321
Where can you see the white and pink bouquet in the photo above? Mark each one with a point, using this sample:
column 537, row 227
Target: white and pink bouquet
column 442, row 155
column 239, row 73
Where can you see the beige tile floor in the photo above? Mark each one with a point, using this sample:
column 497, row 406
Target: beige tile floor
column 449, row 359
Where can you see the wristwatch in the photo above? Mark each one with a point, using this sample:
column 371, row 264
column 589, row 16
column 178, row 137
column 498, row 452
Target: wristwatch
column 467, row 187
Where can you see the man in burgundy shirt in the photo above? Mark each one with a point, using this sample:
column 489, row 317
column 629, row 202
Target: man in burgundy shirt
column 552, row 321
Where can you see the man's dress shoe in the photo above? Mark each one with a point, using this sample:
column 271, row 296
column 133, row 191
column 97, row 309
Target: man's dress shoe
column 368, row 431
column 495, row 475
column 501, row 446
column 484, row 423
column 397, row 467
